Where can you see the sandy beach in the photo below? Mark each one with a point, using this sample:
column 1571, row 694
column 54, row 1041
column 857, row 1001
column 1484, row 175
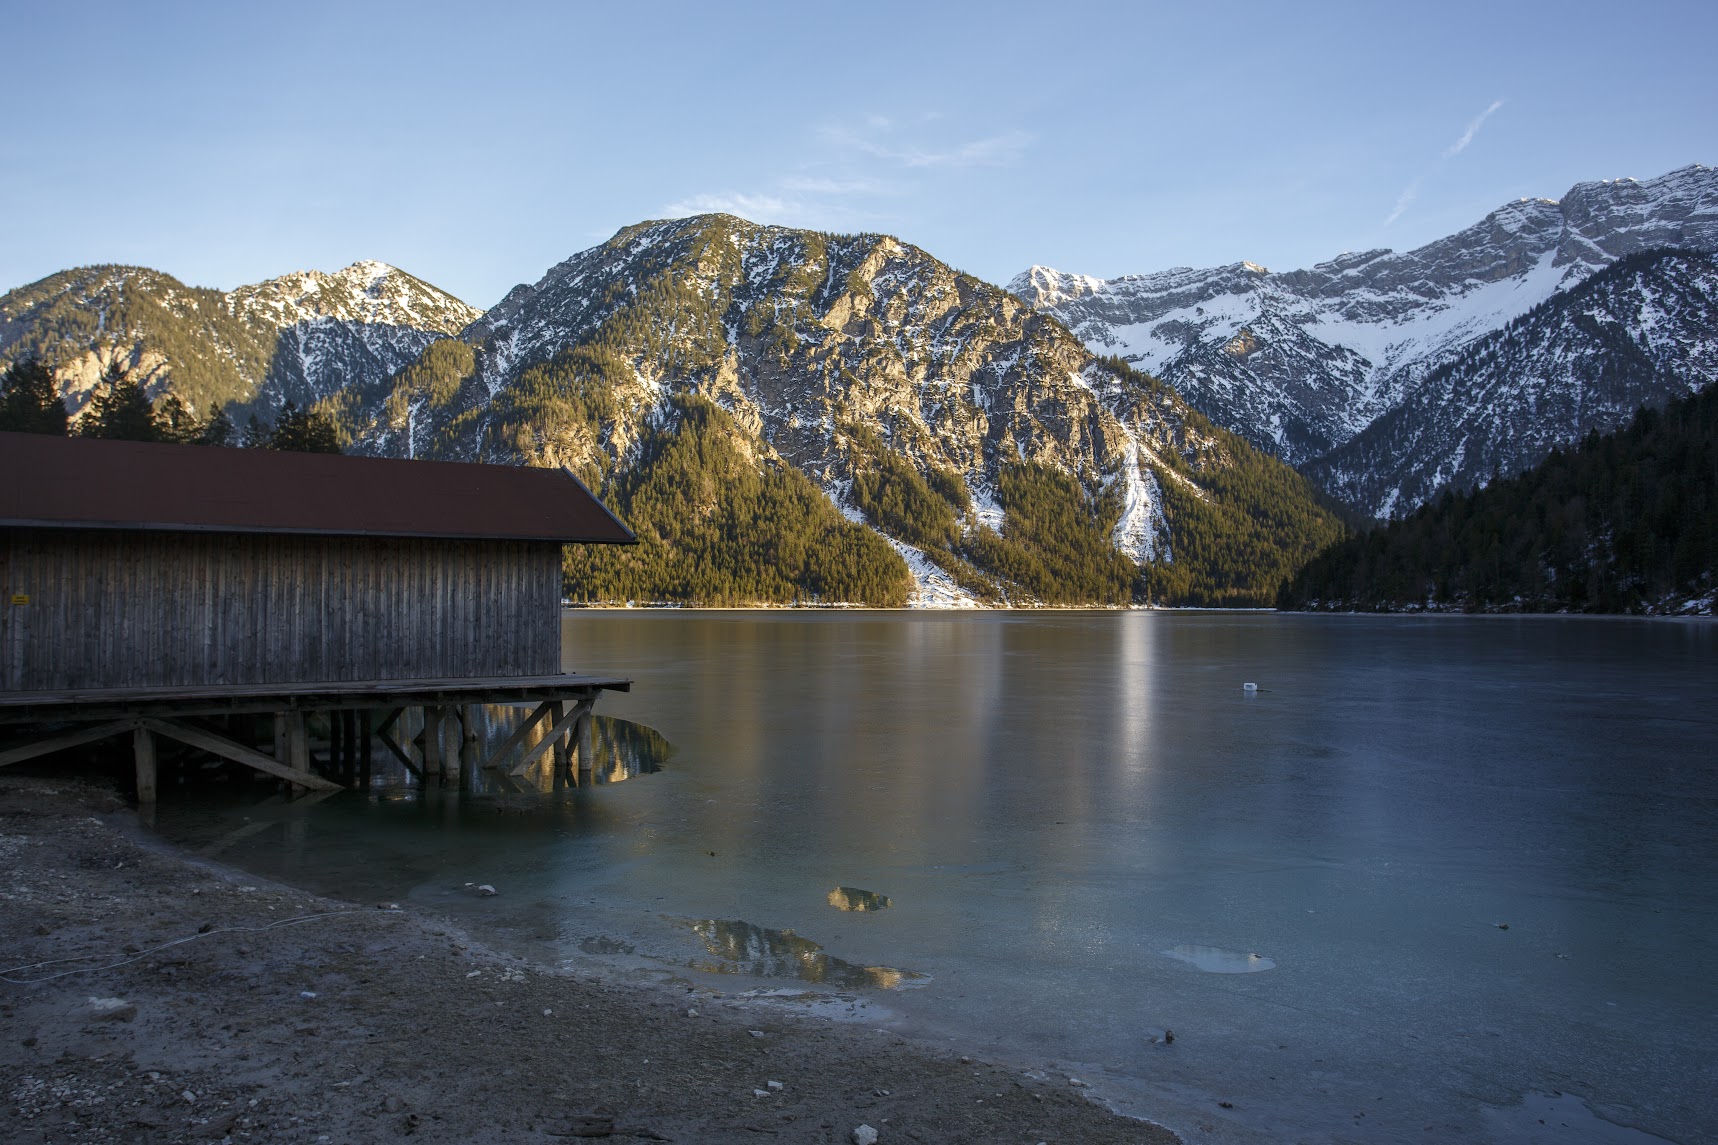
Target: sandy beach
column 153, row 997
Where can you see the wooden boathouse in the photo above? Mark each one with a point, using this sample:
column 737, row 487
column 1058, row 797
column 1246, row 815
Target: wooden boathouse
column 190, row 591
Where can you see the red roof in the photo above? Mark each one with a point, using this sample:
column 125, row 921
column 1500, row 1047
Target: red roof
column 85, row 483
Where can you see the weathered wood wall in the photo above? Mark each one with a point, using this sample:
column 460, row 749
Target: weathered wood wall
column 122, row 608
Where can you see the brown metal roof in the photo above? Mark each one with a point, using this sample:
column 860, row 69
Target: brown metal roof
column 84, row 483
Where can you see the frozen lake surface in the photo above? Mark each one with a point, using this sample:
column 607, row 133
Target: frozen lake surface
column 1435, row 879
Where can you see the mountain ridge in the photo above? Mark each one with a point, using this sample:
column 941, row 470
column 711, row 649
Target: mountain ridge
column 1300, row 362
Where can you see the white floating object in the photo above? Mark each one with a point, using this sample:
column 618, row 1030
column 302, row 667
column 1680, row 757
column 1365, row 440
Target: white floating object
column 1249, row 687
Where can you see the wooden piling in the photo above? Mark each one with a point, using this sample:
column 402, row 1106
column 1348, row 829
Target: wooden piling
column 143, row 744
column 432, row 743
column 587, row 744
column 297, row 746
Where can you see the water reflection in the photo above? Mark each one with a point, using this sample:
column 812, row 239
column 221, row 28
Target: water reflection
column 742, row 948
column 493, row 757
column 852, row 898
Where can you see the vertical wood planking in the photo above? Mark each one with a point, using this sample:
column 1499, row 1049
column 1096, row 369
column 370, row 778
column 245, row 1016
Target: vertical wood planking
column 134, row 608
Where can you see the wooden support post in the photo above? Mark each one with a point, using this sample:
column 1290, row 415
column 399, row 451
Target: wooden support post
column 297, row 746
column 468, row 722
column 563, row 745
column 366, row 745
column 337, row 743
column 450, row 760
column 280, row 752
column 587, row 741
column 143, row 743
column 432, row 743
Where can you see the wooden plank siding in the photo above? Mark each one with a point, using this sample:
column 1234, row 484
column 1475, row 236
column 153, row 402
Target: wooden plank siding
column 134, row 608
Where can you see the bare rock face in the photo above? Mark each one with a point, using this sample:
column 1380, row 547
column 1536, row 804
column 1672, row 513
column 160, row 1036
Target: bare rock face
column 1334, row 348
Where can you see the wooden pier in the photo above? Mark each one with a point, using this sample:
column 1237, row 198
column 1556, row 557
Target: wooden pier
column 360, row 715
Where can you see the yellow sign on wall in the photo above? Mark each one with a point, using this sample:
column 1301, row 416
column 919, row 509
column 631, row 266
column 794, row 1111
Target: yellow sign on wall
column 20, row 598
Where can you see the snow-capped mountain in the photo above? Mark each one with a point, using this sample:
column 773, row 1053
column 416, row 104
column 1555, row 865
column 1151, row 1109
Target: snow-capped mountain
column 303, row 336
column 362, row 323
column 1640, row 331
column 1301, row 362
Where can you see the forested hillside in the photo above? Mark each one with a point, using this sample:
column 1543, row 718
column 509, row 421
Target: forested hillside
column 1626, row 522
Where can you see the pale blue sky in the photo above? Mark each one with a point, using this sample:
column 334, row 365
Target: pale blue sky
column 476, row 145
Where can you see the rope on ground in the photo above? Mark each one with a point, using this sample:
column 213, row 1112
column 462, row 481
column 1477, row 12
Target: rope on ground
column 6, row 975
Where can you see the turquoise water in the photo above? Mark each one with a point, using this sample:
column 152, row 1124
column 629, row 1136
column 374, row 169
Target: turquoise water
column 1439, row 871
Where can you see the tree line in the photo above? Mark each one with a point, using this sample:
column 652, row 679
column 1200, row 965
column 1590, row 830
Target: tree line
column 1624, row 522
column 120, row 409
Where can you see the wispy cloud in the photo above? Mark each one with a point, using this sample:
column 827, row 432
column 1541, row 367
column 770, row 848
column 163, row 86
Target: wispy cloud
column 1460, row 145
column 1412, row 190
column 991, row 151
column 1408, row 195
column 758, row 208
column 863, row 165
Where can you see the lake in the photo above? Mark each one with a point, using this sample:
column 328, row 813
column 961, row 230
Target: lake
column 1435, row 878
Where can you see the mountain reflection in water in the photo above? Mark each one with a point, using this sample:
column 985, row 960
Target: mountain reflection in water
column 742, row 948
column 852, row 898
column 620, row 750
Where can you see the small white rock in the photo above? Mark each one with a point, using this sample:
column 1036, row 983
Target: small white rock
column 1076, row 1082
column 760, row 1093
column 864, row 1135
column 486, row 889
column 307, row 995
column 548, row 1013
column 755, row 1033
column 776, row 1085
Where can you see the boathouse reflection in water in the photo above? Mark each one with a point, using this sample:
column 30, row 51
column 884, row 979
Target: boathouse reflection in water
column 743, row 948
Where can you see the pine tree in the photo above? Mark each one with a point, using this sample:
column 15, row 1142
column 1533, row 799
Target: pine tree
column 255, row 435
column 218, row 430
column 175, row 422
column 303, row 431
column 120, row 410
column 29, row 401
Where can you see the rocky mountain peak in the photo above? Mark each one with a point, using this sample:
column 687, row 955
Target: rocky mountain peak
column 1339, row 344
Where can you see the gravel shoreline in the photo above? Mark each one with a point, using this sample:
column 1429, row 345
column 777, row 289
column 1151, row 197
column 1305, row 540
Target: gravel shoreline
column 279, row 1016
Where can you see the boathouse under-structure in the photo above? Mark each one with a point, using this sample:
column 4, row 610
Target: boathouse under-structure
column 190, row 591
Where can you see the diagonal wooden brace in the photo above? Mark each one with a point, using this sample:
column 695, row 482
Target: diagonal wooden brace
column 65, row 740
column 519, row 734
column 237, row 752
column 561, row 728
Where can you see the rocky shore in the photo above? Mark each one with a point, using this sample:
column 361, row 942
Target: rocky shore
column 149, row 997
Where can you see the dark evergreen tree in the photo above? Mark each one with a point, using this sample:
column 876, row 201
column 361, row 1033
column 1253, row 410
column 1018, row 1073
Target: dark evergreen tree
column 174, row 422
column 255, row 435
column 30, row 401
column 303, row 431
column 120, row 410
column 218, row 430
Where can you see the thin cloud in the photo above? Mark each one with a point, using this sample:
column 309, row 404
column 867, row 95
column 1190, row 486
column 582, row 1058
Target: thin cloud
column 1460, row 145
column 1409, row 194
column 1412, row 190
column 755, row 207
column 1001, row 150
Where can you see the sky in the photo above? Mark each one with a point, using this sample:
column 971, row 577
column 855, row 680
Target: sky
column 476, row 145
